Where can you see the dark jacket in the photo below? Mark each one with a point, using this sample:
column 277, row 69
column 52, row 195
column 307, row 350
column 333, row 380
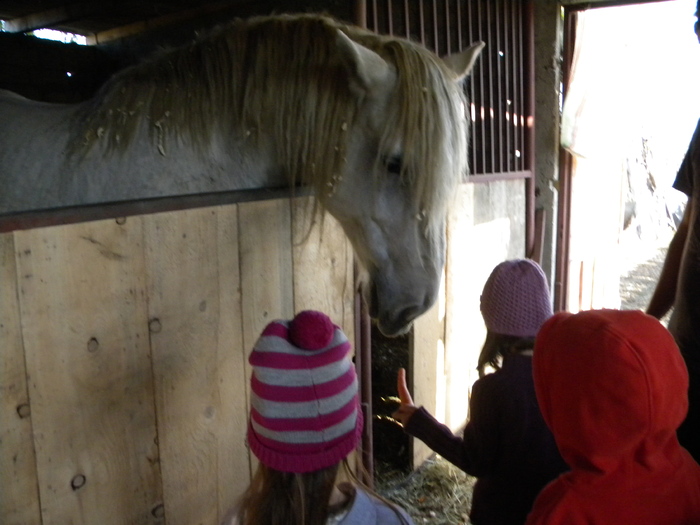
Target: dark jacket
column 506, row 444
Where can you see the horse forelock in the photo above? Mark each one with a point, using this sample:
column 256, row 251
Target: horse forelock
column 282, row 77
column 428, row 119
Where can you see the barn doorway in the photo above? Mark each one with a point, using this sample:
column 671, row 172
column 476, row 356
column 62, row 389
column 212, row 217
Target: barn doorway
column 629, row 110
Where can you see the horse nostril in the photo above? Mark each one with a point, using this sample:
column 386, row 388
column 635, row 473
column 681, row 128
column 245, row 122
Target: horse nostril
column 407, row 315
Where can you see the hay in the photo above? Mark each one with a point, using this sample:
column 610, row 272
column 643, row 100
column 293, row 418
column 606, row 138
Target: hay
column 437, row 493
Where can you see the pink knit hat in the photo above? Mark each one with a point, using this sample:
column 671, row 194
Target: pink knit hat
column 305, row 414
column 515, row 300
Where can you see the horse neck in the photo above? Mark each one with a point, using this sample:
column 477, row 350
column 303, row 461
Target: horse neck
column 38, row 173
column 175, row 166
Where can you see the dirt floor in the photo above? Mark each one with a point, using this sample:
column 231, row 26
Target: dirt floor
column 438, row 493
column 637, row 285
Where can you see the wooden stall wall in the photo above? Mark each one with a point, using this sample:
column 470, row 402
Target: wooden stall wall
column 123, row 370
column 486, row 226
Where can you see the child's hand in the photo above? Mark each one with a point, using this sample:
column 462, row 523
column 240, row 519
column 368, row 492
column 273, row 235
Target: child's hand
column 407, row 408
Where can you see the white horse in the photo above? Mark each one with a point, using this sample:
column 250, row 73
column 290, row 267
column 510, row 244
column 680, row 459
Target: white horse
column 375, row 125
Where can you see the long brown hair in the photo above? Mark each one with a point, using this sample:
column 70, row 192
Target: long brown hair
column 497, row 346
column 282, row 498
column 285, row 498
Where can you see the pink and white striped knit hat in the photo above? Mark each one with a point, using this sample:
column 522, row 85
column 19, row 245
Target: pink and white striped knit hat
column 305, row 413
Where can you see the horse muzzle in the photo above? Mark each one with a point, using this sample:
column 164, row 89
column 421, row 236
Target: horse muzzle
column 394, row 319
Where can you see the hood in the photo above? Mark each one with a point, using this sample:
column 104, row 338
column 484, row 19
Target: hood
column 611, row 385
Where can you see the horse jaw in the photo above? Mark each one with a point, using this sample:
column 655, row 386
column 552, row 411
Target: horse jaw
column 400, row 275
column 402, row 267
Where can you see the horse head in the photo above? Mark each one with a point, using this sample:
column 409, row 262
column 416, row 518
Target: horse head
column 376, row 125
column 405, row 155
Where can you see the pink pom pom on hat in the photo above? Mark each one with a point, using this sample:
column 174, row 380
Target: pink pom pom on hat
column 305, row 413
column 516, row 300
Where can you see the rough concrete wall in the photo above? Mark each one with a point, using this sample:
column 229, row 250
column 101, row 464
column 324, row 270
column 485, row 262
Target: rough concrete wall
column 548, row 26
column 548, row 76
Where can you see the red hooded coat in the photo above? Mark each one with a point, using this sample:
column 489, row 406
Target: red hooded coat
column 612, row 386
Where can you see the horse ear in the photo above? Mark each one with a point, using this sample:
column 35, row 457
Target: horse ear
column 365, row 66
column 462, row 63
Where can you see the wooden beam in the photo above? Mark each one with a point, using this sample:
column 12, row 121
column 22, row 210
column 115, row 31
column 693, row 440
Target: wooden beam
column 154, row 23
column 91, row 212
column 52, row 17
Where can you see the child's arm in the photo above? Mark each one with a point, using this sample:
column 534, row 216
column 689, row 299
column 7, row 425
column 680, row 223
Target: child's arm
column 475, row 454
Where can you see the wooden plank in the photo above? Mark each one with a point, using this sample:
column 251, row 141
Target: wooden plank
column 488, row 216
column 19, row 496
column 83, row 311
column 198, row 356
column 323, row 274
column 233, row 462
column 267, row 287
column 266, row 266
column 323, row 267
column 49, row 17
column 427, row 367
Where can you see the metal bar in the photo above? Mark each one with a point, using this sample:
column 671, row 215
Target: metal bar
column 472, row 91
column 505, row 175
column 490, row 104
column 390, row 16
column 363, row 365
column 507, row 71
column 408, row 18
column 460, row 41
column 516, row 94
column 512, row 89
column 362, row 340
column 421, row 22
column 374, row 14
column 530, row 185
column 361, row 13
column 521, row 92
column 481, row 111
column 447, row 27
column 436, row 32
column 499, row 118
column 113, row 210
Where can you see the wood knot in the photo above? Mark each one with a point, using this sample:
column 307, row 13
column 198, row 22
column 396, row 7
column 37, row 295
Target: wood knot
column 23, row 411
column 78, row 481
column 154, row 326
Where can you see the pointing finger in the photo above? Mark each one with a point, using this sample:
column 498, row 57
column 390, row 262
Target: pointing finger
column 402, row 388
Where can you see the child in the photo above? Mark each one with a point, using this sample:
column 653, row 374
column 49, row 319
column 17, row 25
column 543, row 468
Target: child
column 305, row 419
column 613, row 387
column 506, row 444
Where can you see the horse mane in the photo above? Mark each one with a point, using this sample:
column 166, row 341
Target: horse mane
column 270, row 75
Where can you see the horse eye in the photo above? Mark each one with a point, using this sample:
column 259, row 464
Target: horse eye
column 393, row 164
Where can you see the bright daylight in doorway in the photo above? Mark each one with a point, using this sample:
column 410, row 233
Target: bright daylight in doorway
column 629, row 113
